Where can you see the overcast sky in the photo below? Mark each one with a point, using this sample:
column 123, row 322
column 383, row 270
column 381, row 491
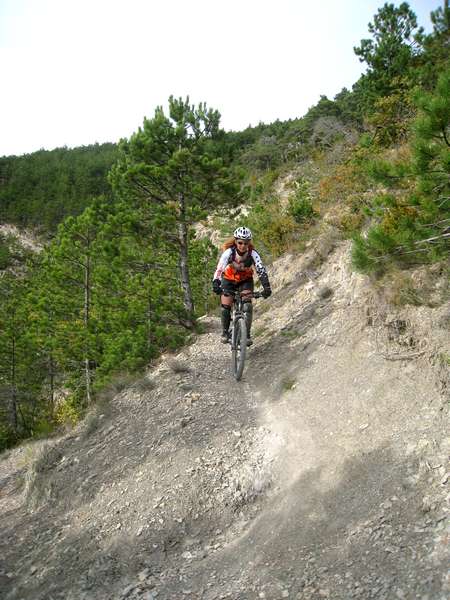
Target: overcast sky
column 76, row 72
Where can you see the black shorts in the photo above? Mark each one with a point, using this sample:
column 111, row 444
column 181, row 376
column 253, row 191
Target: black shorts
column 229, row 286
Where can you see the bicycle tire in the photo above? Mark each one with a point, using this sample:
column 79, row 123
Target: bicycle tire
column 239, row 347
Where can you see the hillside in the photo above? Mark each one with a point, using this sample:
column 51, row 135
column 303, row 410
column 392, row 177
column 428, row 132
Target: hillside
column 132, row 464
column 40, row 189
column 322, row 474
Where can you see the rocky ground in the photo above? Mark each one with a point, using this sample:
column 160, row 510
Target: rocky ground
column 322, row 474
column 25, row 238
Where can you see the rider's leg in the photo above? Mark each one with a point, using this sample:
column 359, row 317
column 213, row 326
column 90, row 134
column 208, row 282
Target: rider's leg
column 226, row 303
column 247, row 307
column 226, row 320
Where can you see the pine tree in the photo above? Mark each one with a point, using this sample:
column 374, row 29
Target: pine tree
column 69, row 297
column 414, row 228
column 140, row 310
column 436, row 48
column 171, row 170
column 20, row 377
column 389, row 54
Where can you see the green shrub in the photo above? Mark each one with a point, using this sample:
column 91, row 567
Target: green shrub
column 351, row 223
column 288, row 384
column 7, row 437
column 5, row 255
column 68, row 412
column 44, row 427
column 391, row 117
column 366, row 140
column 273, row 229
column 11, row 252
column 301, row 208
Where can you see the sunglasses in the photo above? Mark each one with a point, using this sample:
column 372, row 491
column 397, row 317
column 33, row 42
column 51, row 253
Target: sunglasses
column 242, row 243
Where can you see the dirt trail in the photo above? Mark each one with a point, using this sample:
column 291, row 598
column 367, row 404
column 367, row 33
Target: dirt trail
column 322, row 474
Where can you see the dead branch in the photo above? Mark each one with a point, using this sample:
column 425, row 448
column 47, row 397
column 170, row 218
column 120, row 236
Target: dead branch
column 402, row 356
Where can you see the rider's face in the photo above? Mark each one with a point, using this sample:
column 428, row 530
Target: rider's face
column 242, row 243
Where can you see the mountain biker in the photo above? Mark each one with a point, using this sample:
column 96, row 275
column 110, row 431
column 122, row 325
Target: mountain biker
column 235, row 272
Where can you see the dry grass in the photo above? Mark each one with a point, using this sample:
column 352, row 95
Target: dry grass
column 38, row 476
column 325, row 292
column 178, row 366
column 428, row 285
column 120, row 383
column 259, row 330
column 251, row 483
column 143, row 385
column 288, row 384
column 90, row 423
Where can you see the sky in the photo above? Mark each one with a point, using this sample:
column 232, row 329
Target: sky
column 77, row 72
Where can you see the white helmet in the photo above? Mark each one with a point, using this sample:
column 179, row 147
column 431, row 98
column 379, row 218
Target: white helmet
column 243, row 233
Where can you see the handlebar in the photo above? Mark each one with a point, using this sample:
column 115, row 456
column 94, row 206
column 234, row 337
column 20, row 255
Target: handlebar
column 235, row 294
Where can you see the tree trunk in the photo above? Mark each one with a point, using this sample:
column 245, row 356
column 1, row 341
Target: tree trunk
column 51, row 366
column 183, row 262
column 13, row 399
column 206, row 284
column 87, row 300
column 150, row 335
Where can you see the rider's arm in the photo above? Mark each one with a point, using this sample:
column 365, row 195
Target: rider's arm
column 259, row 266
column 261, row 271
column 222, row 264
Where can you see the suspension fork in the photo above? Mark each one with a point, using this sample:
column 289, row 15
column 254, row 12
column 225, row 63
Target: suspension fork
column 238, row 314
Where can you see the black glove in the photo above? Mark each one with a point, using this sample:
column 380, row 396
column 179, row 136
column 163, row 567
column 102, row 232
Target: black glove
column 217, row 288
column 266, row 292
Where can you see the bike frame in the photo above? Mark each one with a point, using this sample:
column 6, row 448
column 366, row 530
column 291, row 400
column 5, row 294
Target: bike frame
column 239, row 335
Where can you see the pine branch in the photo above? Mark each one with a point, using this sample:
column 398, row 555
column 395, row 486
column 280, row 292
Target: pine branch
column 432, row 239
column 76, row 282
column 146, row 267
column 398, row 253
column 437, row 223
column 74, row 261
column 143, row 188
column 438, row 171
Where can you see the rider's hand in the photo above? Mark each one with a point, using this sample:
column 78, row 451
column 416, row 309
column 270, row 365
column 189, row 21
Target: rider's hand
column 217, row 288
column 266, row 292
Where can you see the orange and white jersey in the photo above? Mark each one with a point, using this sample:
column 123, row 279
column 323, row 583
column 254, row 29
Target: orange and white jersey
column 236, row 267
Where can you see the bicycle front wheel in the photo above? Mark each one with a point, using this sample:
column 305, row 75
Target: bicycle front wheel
column 239, row 347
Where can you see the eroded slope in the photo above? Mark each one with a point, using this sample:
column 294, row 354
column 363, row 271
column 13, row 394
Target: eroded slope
column 322, row 474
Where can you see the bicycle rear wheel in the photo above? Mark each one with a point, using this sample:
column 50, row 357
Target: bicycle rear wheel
column 238, row 347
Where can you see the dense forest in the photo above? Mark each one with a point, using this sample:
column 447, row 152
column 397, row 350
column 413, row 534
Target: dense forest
column 43, row 188
column 123, row 275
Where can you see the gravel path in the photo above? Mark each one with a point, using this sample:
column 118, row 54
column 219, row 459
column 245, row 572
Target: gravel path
column 322, row 474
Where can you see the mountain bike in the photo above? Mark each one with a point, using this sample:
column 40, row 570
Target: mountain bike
column 239, row 335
